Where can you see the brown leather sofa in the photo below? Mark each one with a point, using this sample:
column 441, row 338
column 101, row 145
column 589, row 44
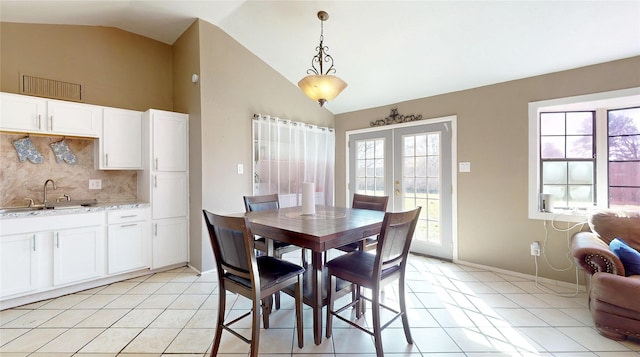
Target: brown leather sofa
column 614, row 298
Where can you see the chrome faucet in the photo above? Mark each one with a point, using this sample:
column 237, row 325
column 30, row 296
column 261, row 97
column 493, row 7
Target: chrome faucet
column 44, row 198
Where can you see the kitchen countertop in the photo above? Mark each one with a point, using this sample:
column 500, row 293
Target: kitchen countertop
column 106, row 206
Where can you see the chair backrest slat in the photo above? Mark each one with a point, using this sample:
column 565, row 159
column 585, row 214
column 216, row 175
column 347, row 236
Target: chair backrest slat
column 261, row 203
column 395, row 238
column 375, row 203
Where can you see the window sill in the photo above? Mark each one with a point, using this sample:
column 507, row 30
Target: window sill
column 576, row 216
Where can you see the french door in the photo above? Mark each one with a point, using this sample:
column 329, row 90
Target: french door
column 413, row 166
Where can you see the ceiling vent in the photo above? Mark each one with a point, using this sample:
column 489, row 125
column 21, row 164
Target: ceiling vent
column 50, row 88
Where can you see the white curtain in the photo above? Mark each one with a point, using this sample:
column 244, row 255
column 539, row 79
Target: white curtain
column 287, row 154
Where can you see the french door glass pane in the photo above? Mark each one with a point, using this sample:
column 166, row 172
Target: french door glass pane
column 370, row 168
column 422, row 183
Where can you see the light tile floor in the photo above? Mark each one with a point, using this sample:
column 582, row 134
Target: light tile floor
column 455, row 311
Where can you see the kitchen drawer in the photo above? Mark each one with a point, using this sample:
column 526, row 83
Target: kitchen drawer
column 128, row 215
column 50, row 223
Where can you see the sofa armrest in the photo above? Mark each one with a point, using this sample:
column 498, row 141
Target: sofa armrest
column 593, row 255
column 616, row 290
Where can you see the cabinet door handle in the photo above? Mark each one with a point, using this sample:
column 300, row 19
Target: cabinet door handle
column 57, row 239
column 155, row 229
column 34, row 242
column 129, row 216
column 155, row 181
column 128, row 225
column 106, row 160
column 156, row 163
column 39, row 122
column 51, row 122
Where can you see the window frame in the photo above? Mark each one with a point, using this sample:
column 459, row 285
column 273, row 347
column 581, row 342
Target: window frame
column 600, row 103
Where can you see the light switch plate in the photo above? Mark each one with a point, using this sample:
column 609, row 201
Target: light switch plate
column 464, row 167
column 240, row 169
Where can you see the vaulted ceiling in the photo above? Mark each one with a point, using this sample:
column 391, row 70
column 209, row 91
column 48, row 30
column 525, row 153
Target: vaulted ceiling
column 387, row 51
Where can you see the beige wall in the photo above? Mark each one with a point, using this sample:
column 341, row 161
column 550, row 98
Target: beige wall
column 116, row 68
column 234, row 85
column 493, row 226
column 186, row 56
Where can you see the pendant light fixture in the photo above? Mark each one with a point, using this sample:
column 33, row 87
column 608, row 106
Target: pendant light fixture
column 320, row 85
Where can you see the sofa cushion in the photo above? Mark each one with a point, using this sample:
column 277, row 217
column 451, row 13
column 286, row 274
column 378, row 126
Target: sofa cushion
column 630, row 257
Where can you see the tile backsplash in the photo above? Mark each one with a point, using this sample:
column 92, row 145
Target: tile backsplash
column 20, row 180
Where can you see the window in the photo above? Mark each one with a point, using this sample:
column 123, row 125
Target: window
column 585, row 153
column 287, row 154
column 624, row 157
column 567, row 158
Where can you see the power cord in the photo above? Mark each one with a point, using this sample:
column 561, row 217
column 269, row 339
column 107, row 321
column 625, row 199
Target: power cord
column 538, row 284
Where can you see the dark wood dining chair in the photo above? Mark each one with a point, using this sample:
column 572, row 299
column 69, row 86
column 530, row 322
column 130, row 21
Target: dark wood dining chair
column 256, row 278
column 375, row 203
column 266, row 202
column 374, row 272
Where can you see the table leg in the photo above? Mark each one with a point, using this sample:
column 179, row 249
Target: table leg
column 317, row 263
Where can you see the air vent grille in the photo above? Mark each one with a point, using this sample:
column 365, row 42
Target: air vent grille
column 50, row 88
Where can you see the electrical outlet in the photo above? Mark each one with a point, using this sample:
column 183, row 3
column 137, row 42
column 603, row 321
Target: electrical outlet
column 535, row 248
column 95, row 184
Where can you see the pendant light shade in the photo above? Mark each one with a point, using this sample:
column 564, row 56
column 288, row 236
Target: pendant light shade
column 322, row 88
column 319, row 85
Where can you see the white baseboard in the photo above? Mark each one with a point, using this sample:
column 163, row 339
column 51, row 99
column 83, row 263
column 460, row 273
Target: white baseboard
column 546, row 281
column 66, row 290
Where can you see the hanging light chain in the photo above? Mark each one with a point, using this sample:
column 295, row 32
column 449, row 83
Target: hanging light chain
column 321, row 56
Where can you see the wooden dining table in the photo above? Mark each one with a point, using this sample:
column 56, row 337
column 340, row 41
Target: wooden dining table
column 328, row 228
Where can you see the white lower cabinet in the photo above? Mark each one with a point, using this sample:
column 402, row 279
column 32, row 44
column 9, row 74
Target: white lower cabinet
column 19, row 254
column 128, row 239
column 169, row 243
column 43, row 253
column 78, row 254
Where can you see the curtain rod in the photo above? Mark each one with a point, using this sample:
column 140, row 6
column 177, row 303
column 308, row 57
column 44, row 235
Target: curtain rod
column 259, row 116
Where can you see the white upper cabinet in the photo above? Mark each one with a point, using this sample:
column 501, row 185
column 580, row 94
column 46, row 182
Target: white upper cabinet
column 22, row 113
column 169, row 140
column 44, row 116
column 74, row 118
column 120, row 145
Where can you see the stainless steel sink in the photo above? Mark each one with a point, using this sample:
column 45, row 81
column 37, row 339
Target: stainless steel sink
column 50, row 205
column 71, row 204
column 19, row 209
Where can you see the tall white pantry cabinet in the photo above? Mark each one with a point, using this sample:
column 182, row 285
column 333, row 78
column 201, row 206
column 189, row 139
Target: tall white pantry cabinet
column 164, row 183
